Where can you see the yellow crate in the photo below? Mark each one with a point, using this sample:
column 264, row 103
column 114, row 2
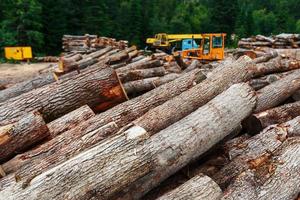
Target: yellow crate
column 18, row 53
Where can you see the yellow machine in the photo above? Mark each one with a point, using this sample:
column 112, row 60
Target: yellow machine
column 208, row 46
column 211, row 48
column 18, row 53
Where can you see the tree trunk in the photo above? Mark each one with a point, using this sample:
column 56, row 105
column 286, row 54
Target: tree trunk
column 70, row 120
column 97, row 87
column 121, row 115
column 26, row 86
column 199, row 187
column 141, row 74
column 141, row 159
column 139, row 65
column 261, row 82
column 259, row 146
column 257, row 122
column 179, row 61
column 275, row 93
column 144, row 85
column 19, row 136
column 277, row 177
column 195, row 64
column 115, row 58
column 276, row 65
column 266, row 57
column 221, row 79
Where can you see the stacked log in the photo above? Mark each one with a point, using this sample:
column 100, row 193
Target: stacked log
column 281, row 41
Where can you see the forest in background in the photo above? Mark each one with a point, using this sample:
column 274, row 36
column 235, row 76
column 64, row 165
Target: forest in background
column 41, row 23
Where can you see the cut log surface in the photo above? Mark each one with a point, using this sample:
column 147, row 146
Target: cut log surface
column 26, row 86
column 141, row 74
column 121, row 115
column 259, row 146
column 170, row 112
column 275, row 178
column 275, row 93
column 99, row 87
column 199, row 187
column 257, row 122
column 137, row 158
column 70, row 120
column 19, row 136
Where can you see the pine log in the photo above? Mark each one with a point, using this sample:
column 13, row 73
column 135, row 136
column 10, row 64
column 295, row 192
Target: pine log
column 172, row 67
column 96, row 87
column 144, row 85
column 266, row 57
column 259, row 146
column 19, row 136
column 257, row 122
column 263, row 81
column 276, row 177
column 141, row 159
column 275, row 65
column 141, row 74
column 26, row 86
column 121, row 115
column 140, row 65
column 289, row 53
column 69, row 63
column 179, row 61
column 277, row 92
column 133, row 54
column 70, row 120
column 115, row 58
column 194, row 64
column 221, row 79
column 199, row 187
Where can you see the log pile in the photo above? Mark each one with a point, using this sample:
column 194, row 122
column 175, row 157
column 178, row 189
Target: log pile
column 116, row 124
column 281, row 41
column 89, row 43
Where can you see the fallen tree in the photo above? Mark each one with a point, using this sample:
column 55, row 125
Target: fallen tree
column 19, row 136
column 96, row 87
column 141, row 158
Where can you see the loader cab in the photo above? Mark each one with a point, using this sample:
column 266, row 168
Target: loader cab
column 189, row 44
column 161, row 39
column 211, row 48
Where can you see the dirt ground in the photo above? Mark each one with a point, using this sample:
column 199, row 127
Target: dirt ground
column 14, row 73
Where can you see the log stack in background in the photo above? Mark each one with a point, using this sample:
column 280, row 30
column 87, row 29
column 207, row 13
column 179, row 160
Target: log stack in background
column 113, row 123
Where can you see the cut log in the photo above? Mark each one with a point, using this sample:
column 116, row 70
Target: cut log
column 275, row 65
column 198, row 188
column 277, row 92
column 179, row 61
column 97, row 87
column 172, row 67
column 221, row 79
column 261, row 82
column 144, row 85
column 195, row 64
column 140, row 65
column 121, row 115
column 19, row 136
column 266, row 57
column 257, row 122
column 276, row 177
column 118, row 57
column 141, row 74
column 141, row 159
column 258, row 146
column 69, row 120
column 26, row 86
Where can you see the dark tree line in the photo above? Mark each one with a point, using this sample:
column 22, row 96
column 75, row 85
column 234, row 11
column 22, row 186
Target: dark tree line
column 41, row 23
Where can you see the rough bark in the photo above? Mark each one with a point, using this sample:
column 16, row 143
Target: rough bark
column 135, row 157
column 261, row 82
column 257, row 122
column 121, row 115
column 118, row 57
column 275, row 93
column 259, row 146
column 69, row 120
column 275, row 65
column 141, row 74
column 277, row 177
column 266, row 57
column 48, row 155
column 194, row 64
column 19, row 136
column 26, row 86
column 144, row 85
column 98, row 87
column 197, row 188
column 221, row 79
column 139, row 65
